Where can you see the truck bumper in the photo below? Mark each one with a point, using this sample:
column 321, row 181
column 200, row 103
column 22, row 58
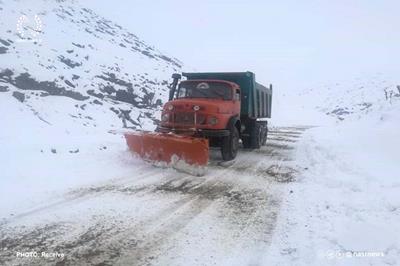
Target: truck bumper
column 195, row 132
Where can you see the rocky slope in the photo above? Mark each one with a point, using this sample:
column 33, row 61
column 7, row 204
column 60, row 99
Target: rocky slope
column 70, row 66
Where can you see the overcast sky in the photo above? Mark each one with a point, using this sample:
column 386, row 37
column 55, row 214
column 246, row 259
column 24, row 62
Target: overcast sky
column 283, row 42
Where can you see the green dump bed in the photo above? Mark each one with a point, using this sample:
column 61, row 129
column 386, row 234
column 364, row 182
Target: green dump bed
column 256, row 99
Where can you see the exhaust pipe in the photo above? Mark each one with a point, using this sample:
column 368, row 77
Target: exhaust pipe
column 172, row 87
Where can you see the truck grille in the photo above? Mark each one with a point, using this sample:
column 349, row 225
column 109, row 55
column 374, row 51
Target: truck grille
column 188, row 119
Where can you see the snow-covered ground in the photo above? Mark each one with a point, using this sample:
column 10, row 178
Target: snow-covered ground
column 345, row 207
column 38, row 160
column 150, row 215
column 325, row 195
column 324, row 191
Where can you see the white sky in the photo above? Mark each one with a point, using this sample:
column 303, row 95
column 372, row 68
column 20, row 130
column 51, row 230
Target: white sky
column 287, row 43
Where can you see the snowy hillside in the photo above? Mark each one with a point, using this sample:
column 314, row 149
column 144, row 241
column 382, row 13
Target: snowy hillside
column 364, row 97
column 68, row 77
column 70, row 66
column 354, row 99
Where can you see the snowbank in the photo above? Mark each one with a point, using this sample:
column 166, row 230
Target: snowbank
column 40, row 161
column 347, row 202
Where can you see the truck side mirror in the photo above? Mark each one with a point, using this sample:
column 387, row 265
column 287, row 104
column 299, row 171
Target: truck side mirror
column 176, row 76
column 236, row 97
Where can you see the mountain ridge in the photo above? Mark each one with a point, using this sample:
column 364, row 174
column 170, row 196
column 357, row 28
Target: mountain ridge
column 87, row 58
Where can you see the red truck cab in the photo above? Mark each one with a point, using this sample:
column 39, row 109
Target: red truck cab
column 202, row 104
column 205, row 108
column 222, row 107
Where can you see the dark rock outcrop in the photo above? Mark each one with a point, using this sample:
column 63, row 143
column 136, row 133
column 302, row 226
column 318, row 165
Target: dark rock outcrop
column 19, row 96
column 25, row 82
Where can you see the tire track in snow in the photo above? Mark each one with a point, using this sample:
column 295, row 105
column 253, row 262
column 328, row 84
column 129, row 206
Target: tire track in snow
column 241, row 198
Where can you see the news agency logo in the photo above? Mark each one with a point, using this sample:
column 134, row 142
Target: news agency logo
column 29, row 28
column 332, row 254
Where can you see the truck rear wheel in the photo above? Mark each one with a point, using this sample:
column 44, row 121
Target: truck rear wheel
column 265, row 135
column 256, row 137
column 230, row 144
column 246, row 142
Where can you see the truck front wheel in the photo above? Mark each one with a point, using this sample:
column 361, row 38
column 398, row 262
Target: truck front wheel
column 230, row 145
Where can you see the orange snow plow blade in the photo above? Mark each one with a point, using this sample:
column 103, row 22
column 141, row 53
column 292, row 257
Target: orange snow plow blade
column 169, row 148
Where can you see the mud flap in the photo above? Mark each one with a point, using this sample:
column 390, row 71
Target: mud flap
column 183, row 153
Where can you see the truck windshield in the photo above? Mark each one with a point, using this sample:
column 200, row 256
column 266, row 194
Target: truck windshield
column 200, row 89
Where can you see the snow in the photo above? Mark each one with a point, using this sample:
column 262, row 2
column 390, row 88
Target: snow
column 347, row 198
column 320, row 195
column 41, row 161
column 324, row 191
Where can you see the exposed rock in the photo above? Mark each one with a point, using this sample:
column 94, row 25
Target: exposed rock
column 127, row 97
column 125, row 116
column 93, row 93
column 19, row 96
column 112, row 78
column 69, row 62
column 78, row 45
column 340, row 111
column 25, row 82
column 3, row 50
column 69, row 83
column 114, row 110
column 107, row 89
column 170, row 60
column 4, row 42
column 146, row 53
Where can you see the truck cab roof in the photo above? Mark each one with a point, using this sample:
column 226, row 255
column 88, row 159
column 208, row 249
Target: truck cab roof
column 232, row 84
column 256, row 99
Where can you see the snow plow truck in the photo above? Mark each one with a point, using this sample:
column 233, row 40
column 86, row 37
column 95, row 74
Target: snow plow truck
column 207, row 110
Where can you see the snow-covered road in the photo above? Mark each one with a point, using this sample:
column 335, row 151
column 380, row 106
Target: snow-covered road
column 162, row 217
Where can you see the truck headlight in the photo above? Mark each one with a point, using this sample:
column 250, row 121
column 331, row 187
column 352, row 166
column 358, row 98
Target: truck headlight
column 170, row 107
column 213, row 120
column 165, row 117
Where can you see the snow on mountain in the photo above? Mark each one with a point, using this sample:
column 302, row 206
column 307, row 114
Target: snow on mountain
column 75, row 69
column 353, row 99
column 333, row 102
column 69, row 78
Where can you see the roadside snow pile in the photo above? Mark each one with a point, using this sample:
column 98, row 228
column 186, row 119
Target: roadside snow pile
column 345, row 209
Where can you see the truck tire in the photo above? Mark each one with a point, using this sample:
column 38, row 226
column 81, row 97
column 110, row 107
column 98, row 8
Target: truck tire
column 256, row 136
column 230, row 144
column 265, row 135
column 246, row 142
